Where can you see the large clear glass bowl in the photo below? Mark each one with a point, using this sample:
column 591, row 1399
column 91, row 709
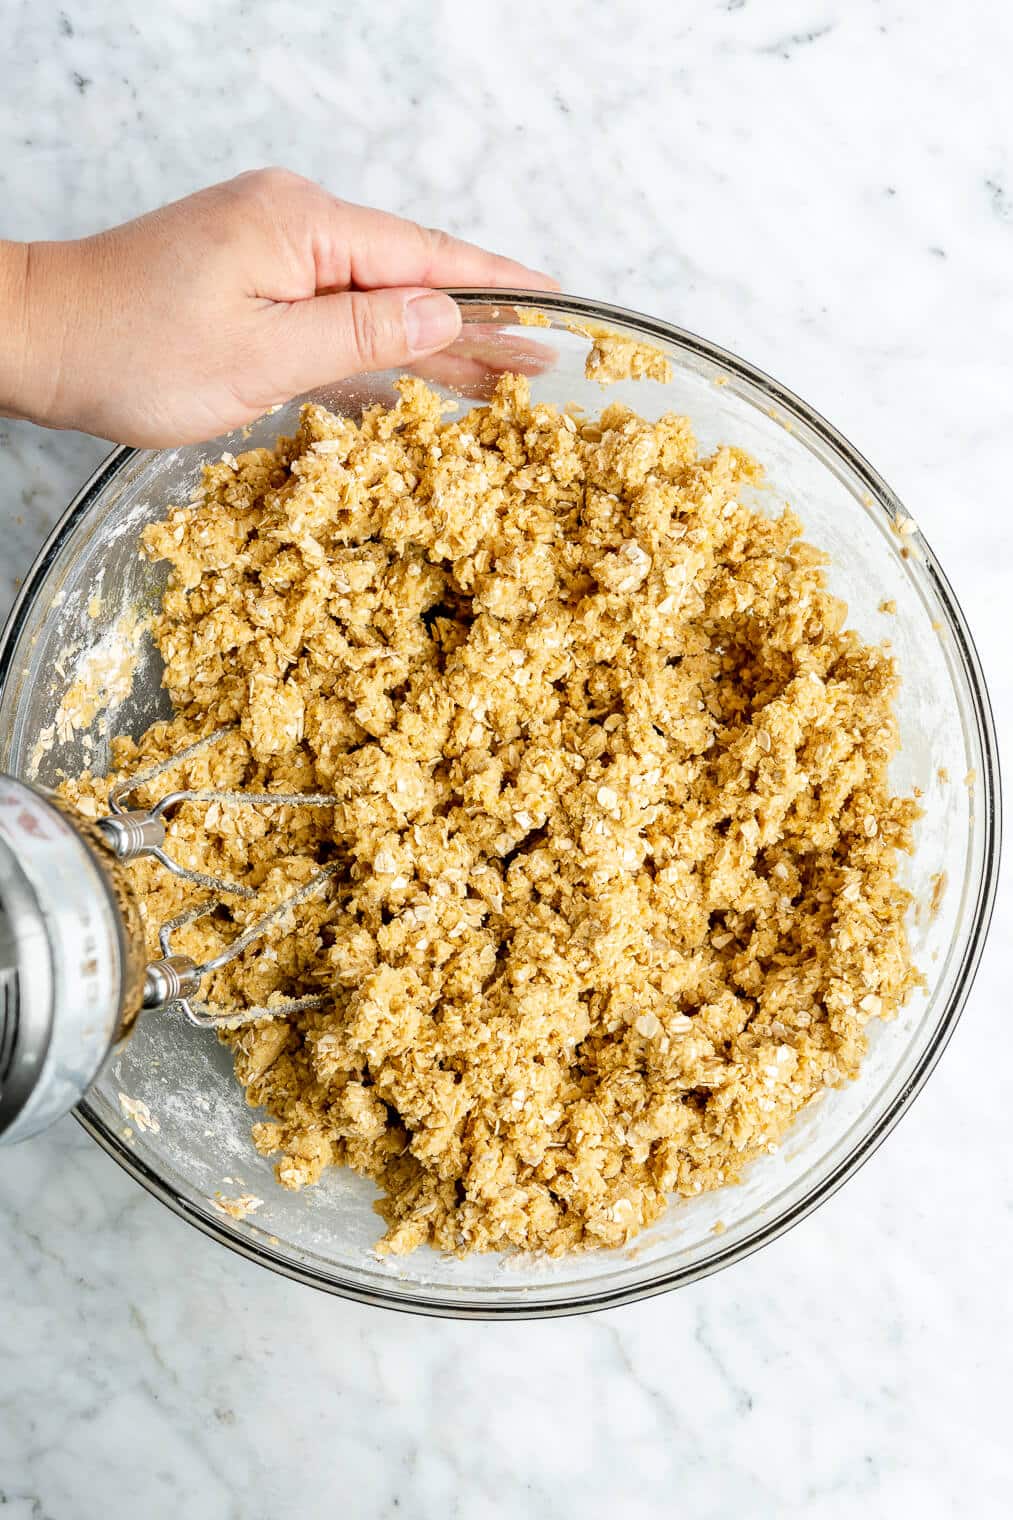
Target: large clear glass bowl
column 324, row 1236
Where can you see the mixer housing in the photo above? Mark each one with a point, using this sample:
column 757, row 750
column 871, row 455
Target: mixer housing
column 64, row 962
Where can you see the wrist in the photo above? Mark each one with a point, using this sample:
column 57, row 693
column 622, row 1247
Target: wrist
column 15, row 264
column 36, row 302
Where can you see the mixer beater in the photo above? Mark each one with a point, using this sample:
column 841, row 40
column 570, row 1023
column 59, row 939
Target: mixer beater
column 72, row 967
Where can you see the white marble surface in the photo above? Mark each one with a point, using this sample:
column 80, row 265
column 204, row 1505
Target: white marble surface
column 826, row 187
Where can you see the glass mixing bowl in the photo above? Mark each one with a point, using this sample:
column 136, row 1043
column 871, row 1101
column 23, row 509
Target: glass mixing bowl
column 324, row 1236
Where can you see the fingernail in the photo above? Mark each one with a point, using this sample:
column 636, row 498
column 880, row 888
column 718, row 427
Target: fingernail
column 430, row 321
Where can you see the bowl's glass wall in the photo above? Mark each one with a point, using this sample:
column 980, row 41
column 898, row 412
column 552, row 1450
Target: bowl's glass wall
column 202, row 1147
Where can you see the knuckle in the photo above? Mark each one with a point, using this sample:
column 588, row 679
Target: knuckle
column 437, row 241
column 271, row 180
column 369, row 331
column 277, row 174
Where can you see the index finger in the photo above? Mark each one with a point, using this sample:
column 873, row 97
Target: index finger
column 384, row 250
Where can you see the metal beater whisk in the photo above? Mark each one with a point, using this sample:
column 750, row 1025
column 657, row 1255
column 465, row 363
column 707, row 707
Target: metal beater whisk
column 72, row 964
column 135, row 832
column 72, row 953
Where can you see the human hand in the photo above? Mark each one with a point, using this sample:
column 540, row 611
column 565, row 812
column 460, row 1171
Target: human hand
column 197, row 318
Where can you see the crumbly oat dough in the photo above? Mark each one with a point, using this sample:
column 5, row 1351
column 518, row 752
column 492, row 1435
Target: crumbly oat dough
column 613, row 357
column 621, row 849
column 103, row 675
column 238, row 1208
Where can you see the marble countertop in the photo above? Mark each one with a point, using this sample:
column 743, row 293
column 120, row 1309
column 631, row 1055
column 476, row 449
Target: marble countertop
column 827, row 189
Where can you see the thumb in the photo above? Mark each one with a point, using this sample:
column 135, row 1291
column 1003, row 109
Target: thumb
column 328, row 337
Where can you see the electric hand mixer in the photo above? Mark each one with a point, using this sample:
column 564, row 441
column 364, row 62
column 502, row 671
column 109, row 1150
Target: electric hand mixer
column 73, row 974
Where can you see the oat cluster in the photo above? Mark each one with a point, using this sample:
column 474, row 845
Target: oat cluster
column 617, row 848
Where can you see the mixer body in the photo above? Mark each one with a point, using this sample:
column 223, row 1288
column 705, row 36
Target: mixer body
column 67, row 967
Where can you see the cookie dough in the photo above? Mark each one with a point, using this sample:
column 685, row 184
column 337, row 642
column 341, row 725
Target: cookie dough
column 618, row 890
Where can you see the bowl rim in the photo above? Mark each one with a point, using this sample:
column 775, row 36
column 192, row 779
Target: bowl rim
column 966, row 657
